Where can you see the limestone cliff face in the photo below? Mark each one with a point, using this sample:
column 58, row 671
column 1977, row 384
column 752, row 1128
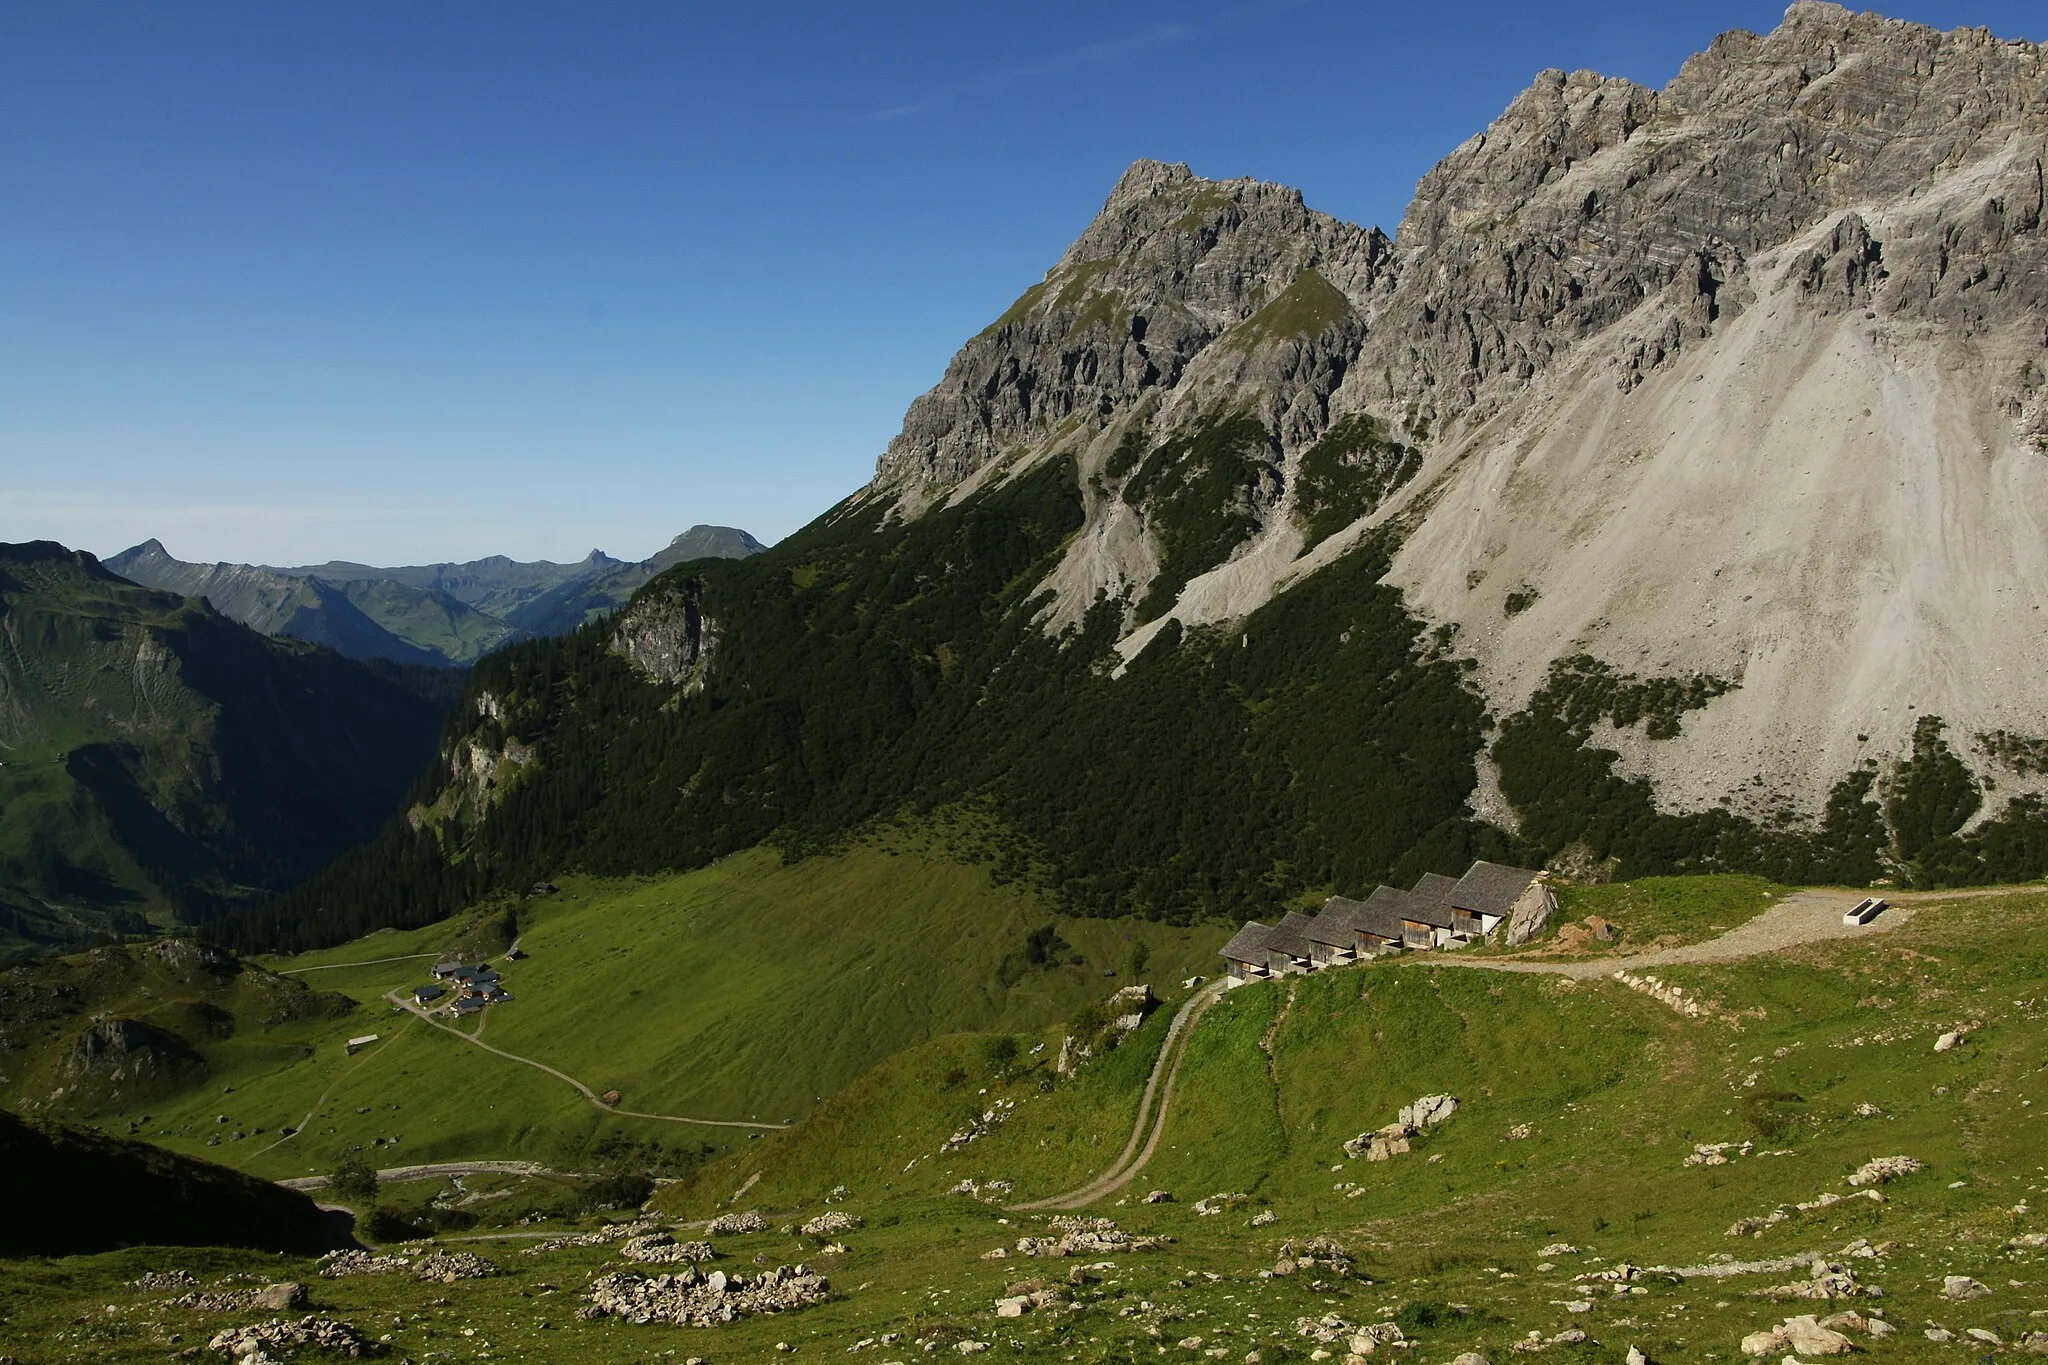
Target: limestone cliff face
column 666, row 635
column 1590, row 196
column 1747, row 375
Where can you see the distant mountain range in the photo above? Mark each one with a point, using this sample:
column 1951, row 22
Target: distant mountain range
column 429, row 614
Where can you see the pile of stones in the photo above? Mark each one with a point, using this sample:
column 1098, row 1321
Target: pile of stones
column 830, row 1224
column 447, row 1267
column 252, row 1345
column 1878, row 1171
column 735, row 1224
column 337, row 1265
column 158, row 1280
column 275, row 1297
column 691, row 1299
column 658, row 1248
column 1086, row 1237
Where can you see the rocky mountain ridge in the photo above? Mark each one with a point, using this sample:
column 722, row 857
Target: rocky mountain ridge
column 1640, row 345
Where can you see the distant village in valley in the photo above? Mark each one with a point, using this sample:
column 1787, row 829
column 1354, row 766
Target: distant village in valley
column 1438, row 912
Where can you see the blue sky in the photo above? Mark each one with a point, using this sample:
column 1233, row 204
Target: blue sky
column 403, row 282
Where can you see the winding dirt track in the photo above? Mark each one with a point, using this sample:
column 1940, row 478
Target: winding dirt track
column 1165, row 1072
column 1801, row 918
column 344, row 966
column 580, row 1088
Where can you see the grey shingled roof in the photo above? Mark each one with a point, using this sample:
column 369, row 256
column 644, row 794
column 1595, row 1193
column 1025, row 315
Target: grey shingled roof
column 1331, row 927
column 1248, row 944
column 1491, row 889
column 1382, row 912
column 1289, row 935
column 1427, row 899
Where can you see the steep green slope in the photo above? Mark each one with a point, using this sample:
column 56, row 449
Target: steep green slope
column 69, row 1190
column 159, row 761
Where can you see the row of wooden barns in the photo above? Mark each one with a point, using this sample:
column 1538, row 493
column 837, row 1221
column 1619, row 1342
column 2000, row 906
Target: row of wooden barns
column 1438, row 912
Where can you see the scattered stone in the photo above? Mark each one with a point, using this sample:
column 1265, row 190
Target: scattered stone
column 1636, row 1357
column 1717, row 1153
column 2025, row 1239
column 1962, row 1288
column 1808, row 1338
column 1825, row 1280
column 971, row 1348
column 1516, row 1134
column 446, row 1267
column 1265, row 1219
column 979, row 1126
column 1159, row 1197
column 658, row 1248
column 1947, row 1041
column 1665, row 993
column 1984, row 1334
column 829, row 1224
column 1398, row 1136
column 838, row 1194
column 997, row 1254
column 1883, row 1169
column 988, row 1191
column 735, row 1224
column 1939, row 1335
column 1217, row 1203
column 691, row 1299
column 1559, row 1249
column 326, row 1334
column 1472, row 1358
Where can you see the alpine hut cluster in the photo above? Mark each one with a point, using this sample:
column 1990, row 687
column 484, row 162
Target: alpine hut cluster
column 1440, row 912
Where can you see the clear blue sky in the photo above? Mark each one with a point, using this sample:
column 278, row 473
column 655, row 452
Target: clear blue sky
column 404, row 282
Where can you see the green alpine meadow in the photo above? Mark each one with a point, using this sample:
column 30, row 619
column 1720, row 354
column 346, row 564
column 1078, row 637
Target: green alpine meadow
column 1453, row 796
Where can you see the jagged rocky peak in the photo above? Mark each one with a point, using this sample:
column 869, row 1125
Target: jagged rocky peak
column 1590, row 196
column 1170, row 264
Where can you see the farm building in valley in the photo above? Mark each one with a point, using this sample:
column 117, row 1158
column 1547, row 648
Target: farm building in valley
column 1439, row 912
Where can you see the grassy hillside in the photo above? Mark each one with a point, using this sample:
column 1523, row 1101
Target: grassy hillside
column 748, row 990
column 159, row 762
column 1580, row 1105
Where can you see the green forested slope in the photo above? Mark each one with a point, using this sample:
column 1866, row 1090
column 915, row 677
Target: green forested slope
column 159, row 761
